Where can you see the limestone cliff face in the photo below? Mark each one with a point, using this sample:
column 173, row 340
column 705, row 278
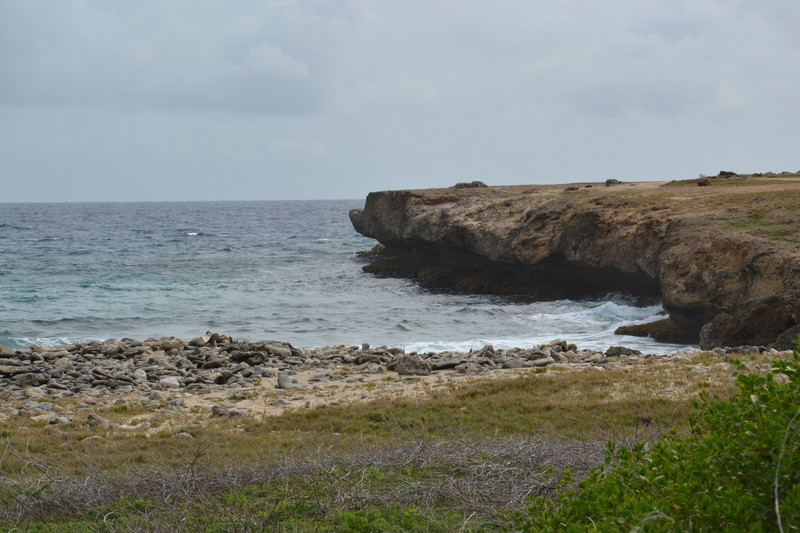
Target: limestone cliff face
column 678, row 242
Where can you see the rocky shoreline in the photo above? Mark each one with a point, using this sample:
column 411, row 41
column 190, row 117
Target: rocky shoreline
column 216, row 376
column 722, row 255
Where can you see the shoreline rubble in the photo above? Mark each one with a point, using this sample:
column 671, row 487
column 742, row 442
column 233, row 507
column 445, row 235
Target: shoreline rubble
column 220, row 377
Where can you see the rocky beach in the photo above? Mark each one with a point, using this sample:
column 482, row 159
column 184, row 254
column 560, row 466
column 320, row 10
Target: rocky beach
column 215, row 376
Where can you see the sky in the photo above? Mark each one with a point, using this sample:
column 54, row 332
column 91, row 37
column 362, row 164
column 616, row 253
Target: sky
column 331, row 99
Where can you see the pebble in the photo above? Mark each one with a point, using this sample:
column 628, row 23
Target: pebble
column 158, row 369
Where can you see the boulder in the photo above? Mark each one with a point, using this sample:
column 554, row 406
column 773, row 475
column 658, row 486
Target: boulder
column 6, row 352
column 408, row 365
column 786, row 340
column 616, row 351
column 447, row 362
column 544, row 361
column 759, row 322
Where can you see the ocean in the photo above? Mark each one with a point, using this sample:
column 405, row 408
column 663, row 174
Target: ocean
column 283, row 270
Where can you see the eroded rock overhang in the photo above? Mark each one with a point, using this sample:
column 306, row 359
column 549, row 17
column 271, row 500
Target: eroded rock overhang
column 720, row 287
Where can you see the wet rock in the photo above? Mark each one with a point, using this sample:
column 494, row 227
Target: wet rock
column 616, row 351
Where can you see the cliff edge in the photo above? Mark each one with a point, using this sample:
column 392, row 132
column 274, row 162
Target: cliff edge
column 724, row 257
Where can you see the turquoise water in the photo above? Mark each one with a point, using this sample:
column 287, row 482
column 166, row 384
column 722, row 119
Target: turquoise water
column 253, row 270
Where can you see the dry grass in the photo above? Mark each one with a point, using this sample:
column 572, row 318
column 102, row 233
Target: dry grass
column 473, row 449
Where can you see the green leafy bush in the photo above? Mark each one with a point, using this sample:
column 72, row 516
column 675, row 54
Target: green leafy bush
column 737, row 470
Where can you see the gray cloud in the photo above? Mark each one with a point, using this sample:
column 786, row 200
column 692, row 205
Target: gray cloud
column 323, row 98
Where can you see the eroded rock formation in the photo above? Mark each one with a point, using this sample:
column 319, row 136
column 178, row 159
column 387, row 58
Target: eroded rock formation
column 722, row 279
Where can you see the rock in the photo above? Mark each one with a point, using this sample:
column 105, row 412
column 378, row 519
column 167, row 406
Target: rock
column 486, row 351
column 469, row 367
column 64, row 363
column 285, row 382
column 215, row 361
column 96, row 420
column 223, row 378
column 14, row 369
column 6, row 351
column 786, row 340
column 703, row 181
column 32, row 379
column 616, row 351
column 169, row 382
column 367, row 358
column 545, row 361
column 447, row 362
column 412, row 366
column 372, row 252
column 218, row 411
column 664, row 330
column 686, row 353
column 758, row 322
column 682, row 250
column 139, row 375
column 35, row 392
column 611, row 182
column 201, row 341
column 469, row 185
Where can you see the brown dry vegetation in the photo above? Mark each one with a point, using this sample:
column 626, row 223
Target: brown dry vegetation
column 473, row 448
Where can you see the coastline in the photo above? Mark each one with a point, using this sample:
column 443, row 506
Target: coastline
column 213, row 376
column 721, row 254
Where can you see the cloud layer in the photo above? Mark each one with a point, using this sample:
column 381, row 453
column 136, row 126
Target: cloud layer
column 314, row 99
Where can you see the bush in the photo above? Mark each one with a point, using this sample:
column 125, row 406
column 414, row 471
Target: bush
column 737, row 470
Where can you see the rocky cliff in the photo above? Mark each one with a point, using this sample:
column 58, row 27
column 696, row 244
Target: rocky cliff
column 724, row 258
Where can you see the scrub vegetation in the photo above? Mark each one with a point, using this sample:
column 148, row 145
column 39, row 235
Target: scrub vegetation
column 461, row 458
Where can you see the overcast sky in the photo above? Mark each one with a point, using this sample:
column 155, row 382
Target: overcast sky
column 294, row 99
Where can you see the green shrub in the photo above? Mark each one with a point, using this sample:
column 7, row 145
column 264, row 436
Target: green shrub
column 737, row 470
